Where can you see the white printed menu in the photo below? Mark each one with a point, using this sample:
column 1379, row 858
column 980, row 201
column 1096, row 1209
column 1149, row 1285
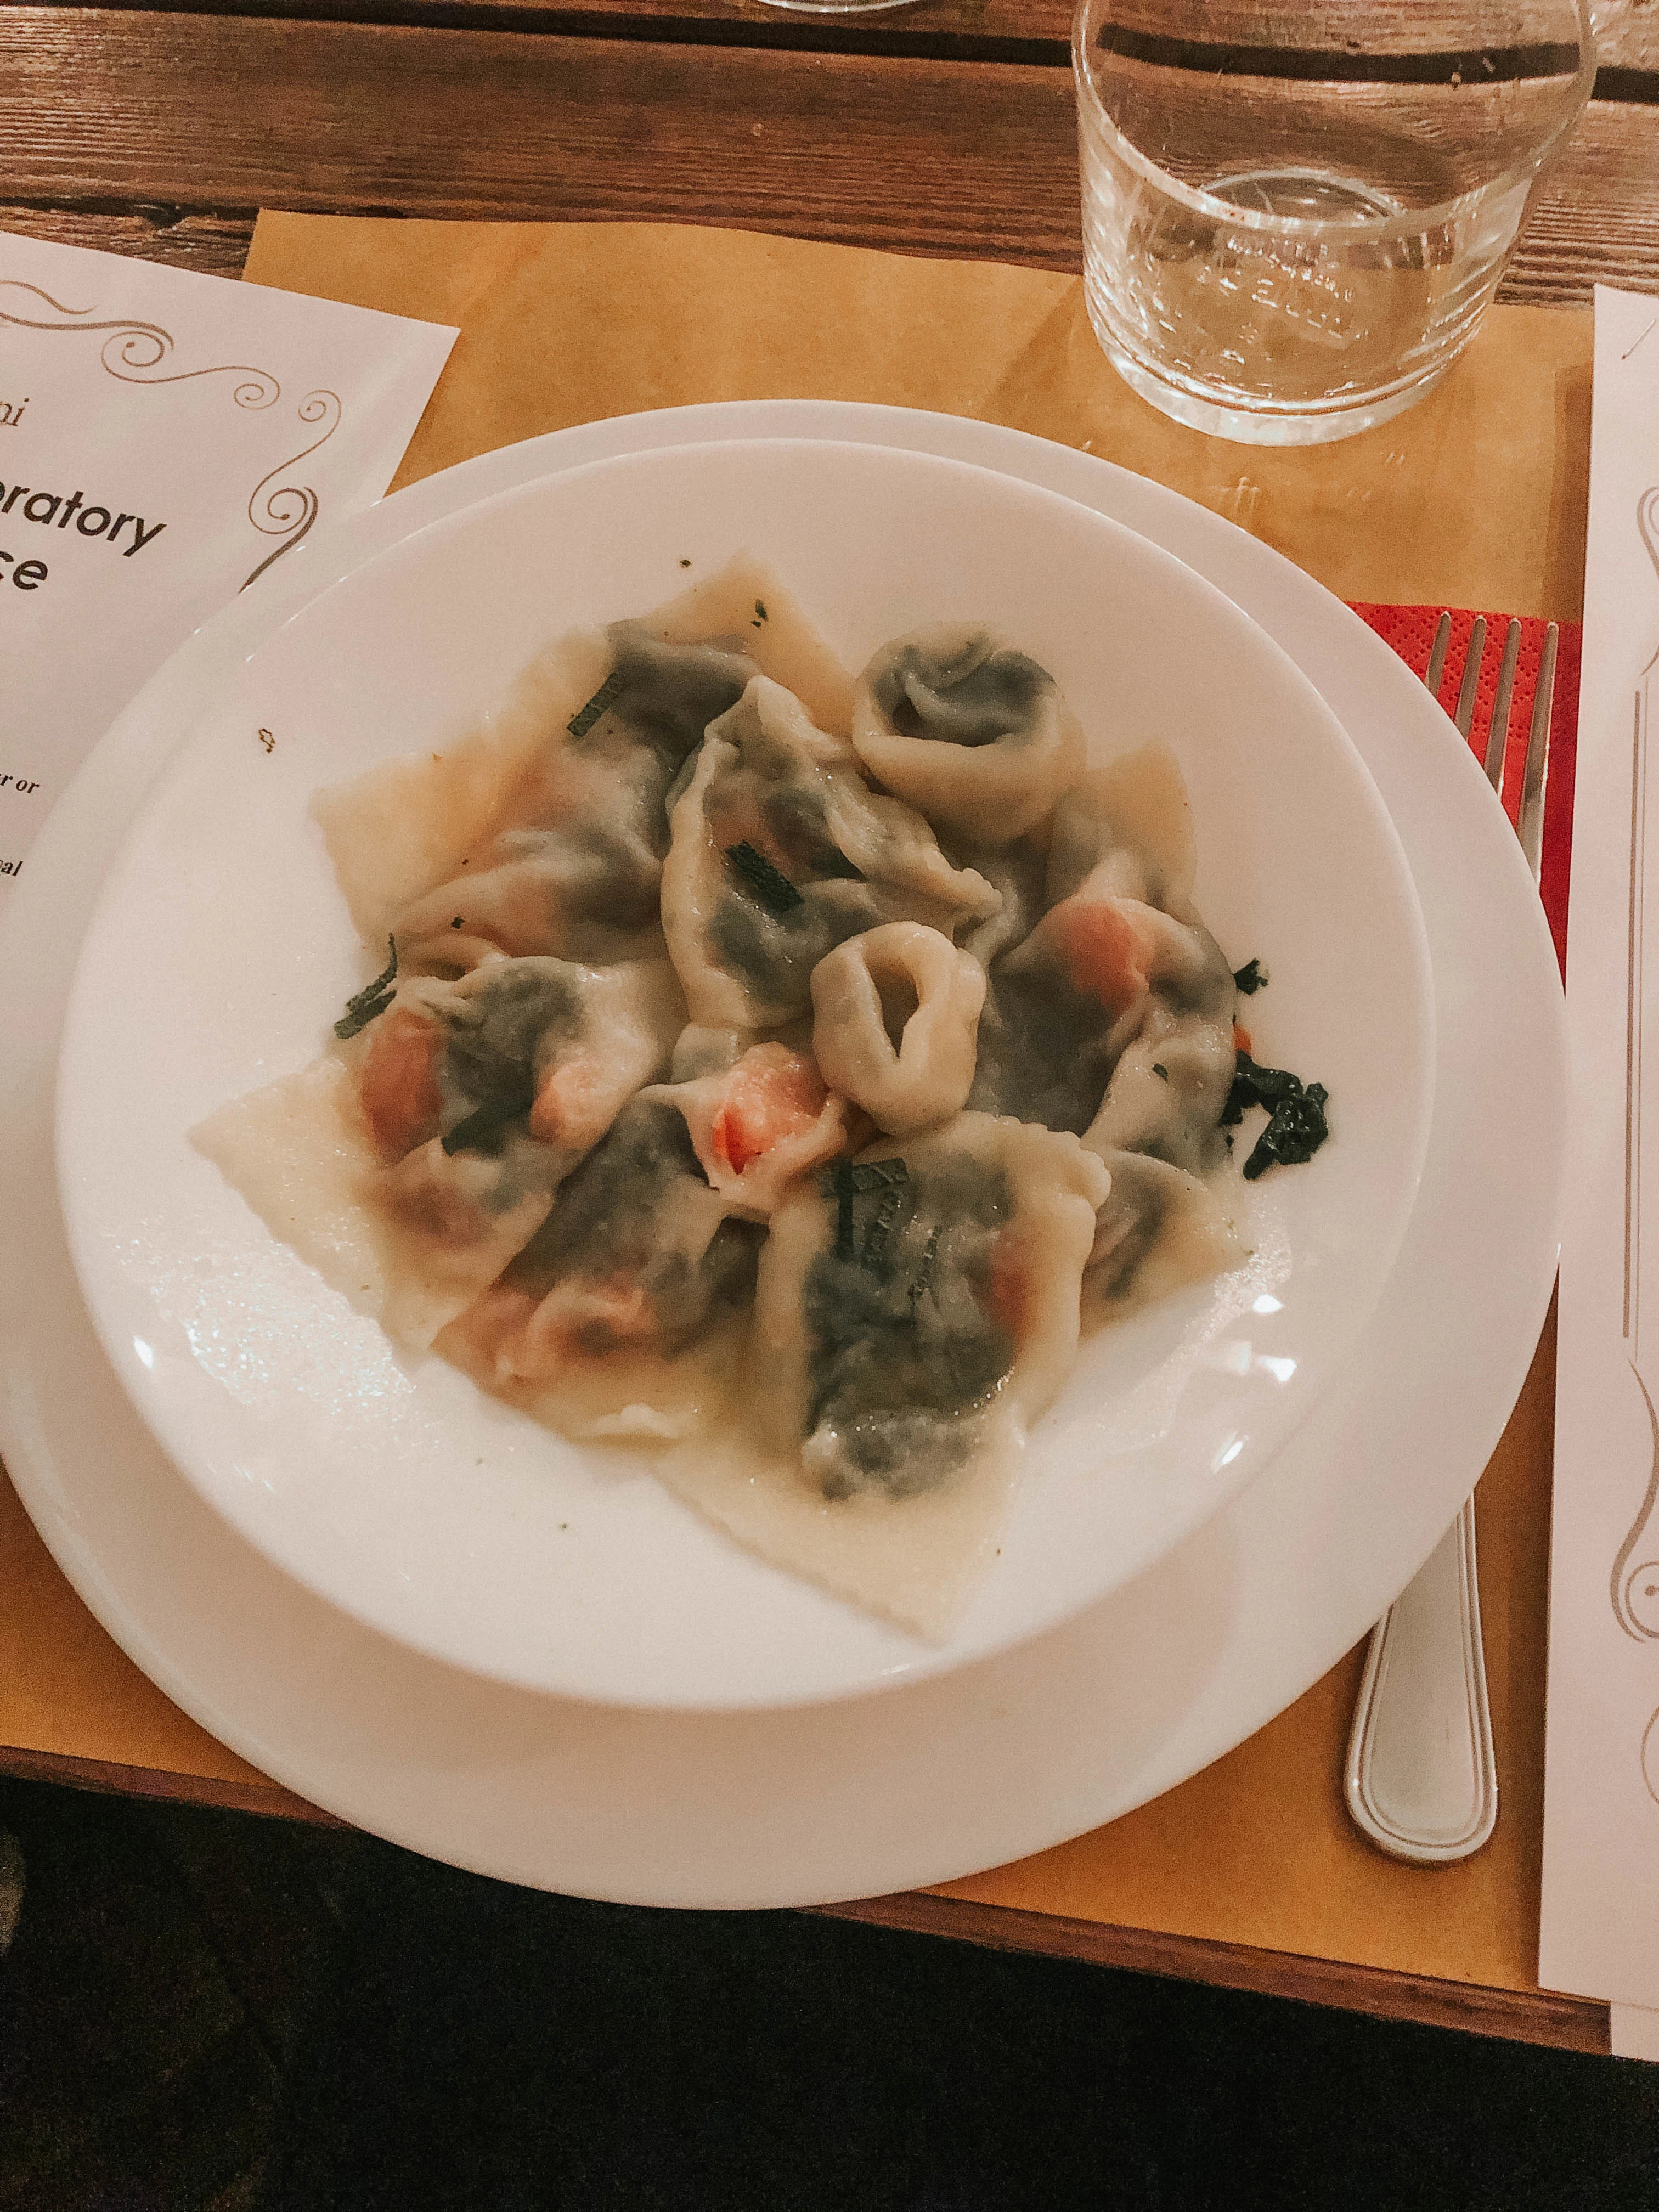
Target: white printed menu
column 165, row 437
column 1600, row 1931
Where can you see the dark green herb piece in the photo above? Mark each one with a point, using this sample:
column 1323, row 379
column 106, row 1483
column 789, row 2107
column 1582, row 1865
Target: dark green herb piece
column 927, row 1271
column 769, row 885
column 1159, row 1069
column 842, row 1189
column 1253, row 1086
column 1251, row 978
column 456, row 923
column 373, row 999
column 760, row 612
column 887, row 1214
column 868, row 1175
column 876, row 1175
column 479, row 1129
column 844, row 1182
column 1297, row 1124
column 585, row 717
column 1297, row 1129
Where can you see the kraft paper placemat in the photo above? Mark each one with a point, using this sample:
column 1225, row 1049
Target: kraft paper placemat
column 1474, row 497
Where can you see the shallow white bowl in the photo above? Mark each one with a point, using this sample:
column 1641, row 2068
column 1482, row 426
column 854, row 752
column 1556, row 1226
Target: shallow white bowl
column 221, row 951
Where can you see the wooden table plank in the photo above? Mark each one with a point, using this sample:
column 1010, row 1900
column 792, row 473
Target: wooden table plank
column 213, row 244
column 1543, row 2017
column 1037, row 31
column 217, row 116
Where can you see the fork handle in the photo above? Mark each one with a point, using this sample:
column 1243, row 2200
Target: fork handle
column 1422, row 1778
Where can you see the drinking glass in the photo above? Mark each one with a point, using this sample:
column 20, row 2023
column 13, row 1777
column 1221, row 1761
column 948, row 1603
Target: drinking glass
column 838, row 7
column 1294, row 215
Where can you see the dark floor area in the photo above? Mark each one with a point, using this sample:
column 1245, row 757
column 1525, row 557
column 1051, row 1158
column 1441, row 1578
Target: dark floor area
column 205, row 2012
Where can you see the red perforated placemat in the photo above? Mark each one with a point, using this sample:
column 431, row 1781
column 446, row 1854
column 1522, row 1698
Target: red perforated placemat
column 1410, row 631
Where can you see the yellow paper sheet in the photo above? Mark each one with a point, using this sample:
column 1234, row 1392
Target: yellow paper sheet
column 1474, row 497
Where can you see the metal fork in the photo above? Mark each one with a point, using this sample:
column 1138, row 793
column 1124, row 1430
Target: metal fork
column 1422, row 1777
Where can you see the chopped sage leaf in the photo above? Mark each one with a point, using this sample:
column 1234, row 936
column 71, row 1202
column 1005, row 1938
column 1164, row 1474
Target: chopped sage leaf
column 1159, row 1069
column 373, row 999
column 926, row 1272
column 1251, row 978
column 1298, row 1127
column 760, row 614
column 875, row 1175
column 769, row 885
column 608, row 693
column 841, row 1187
column 887, row 1214
column 1296, row 1123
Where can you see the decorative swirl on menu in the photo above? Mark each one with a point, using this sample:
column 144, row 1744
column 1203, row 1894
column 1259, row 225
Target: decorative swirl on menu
column 134, row 351
column 288, row 510
column 1634, row 1582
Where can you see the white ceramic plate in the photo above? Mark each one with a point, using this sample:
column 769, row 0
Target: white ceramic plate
column 940, row 1779
column 221, row 951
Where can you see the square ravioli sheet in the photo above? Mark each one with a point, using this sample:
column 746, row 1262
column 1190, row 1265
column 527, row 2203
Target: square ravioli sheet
column 770, row 1070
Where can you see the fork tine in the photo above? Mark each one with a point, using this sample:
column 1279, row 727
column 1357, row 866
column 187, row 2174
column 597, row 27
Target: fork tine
column 1464, row 717
column 1497, row 736
column 1537, row 777
column 1437, row 668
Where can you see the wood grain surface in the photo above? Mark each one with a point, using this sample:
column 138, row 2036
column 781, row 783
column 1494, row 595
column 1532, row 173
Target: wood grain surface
column 1000, row 30
column 1524, row 2016
column 202, row 120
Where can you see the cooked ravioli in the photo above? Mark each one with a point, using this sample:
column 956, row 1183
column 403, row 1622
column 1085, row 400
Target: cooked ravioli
column 972, row 732
column 771, row 1070
column 780, row 853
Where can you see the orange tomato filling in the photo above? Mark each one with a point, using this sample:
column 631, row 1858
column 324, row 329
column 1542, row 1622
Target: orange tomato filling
column 568, row 1109
column 1107, row 946
column 771, row 1094
column 398, row 1084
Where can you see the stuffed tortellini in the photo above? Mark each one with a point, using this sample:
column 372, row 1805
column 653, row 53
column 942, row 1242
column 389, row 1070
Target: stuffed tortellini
column 779, row 852
column 975, row 735
column 774, row 1069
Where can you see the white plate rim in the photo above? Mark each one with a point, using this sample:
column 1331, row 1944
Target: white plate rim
column 821, row 1818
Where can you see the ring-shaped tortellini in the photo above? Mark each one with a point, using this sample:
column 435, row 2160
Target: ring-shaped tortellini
column 780, row 851
column 974, row 734
column 906, row 977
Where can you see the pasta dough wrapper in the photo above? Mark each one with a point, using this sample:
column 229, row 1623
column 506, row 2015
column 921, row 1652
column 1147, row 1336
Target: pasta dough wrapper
column 1159, row 1229
column 302, row 1154
column 974, row 734
column 410, row 830
column 769, row 783
column 929, row 1076
column 898, row 1359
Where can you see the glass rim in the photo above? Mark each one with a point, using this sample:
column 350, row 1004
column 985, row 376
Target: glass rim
column 1199, row 201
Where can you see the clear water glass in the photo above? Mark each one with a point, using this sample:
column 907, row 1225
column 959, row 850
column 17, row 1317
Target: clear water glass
column 1294, row 217
column 838, row 7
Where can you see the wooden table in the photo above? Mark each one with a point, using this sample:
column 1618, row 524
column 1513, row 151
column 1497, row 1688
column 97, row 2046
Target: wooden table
column 945, row 129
